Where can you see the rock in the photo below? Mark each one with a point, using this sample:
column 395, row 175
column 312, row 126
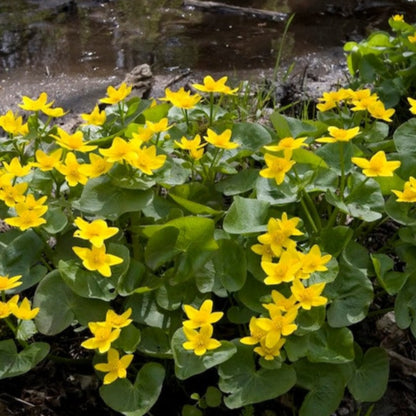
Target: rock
column 141, row 79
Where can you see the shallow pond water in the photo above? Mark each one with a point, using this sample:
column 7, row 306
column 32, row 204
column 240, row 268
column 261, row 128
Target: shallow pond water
column 87, row 36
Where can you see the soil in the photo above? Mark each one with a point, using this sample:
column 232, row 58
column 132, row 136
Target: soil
column 60, row 388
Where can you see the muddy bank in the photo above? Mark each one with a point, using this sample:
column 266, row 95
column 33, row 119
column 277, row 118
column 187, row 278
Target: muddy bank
column 312, row 74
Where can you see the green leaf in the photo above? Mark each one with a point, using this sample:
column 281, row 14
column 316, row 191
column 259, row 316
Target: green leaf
column 391, row 281
column 56, row 220
column 400, row 212
column 325, row 382
column 129, row 339
column 307, row 157
column 20, row 256
column 213, row 397
column 404, row 137
column 251, row 293
column 189, row 410
column 246, row 385
column 161, row 247
column 246, row 216
column 155, row 343
column 405, row 305
column 138, row 398
column 13, row 363
column 243, row 181
column 334, row 240
column 267, row 191
column 331, row 345
column 187, row 364
column 352, row 292
column 59, row 306
column 230, row 265
column 369, row 380
column 194, row 207
column 250, row 136
column 101, row 197
column 134, row 279
column 25, row 330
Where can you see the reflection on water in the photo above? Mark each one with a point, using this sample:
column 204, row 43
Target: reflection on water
column 88, row 36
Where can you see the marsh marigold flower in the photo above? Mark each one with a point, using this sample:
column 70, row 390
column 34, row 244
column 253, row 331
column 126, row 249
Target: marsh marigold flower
column 313, row 261
column 7, row 283
column 412, row 103
column 287, row 145
column 13, row 124
column 29, row 213
column 308, row 296
column 194, row 146
column 212, row 86
column 200, row 341
column 409, row 192
column 270, row 353
column 256, row 333
column 118, row 321
column 377, row 165
column 277, row 167
column 15, row 168
column 104, row 335
column 283, row 271
column 98, row 166
column 222, row 140
column 72, row 141
column 378, row 111
column 115, row 367
column 46, row 162
column 115, row 95
column 23, row 311
column 339, row 135
column 201, row 316
column 96, row 259
column 95, row 231
column 40, row 104
column 147, row 160
column 181, row 99
column 71, row 170
column 119, row 150
column 95, row 118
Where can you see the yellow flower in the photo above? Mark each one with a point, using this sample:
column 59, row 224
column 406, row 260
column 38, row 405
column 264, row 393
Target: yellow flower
column 72, row 141
column 46, row 162
column 377, row 165
column 98, row 166
column 263, row 250
column 270, row 353
column 146, row 160
column 279, row 231
column 412, row 103
column 118, row 321
column 5, row 307
column 16, row 169
column 329, row 100
column 364, row 102
column 308, row 296
column 314, row 262
column 280, row 303
column 96, row 259
column 222, row 140
column 114, row 95
column 412, row 38
column 71, row 170
column 95, row 231
column 54, row 112
column 277, row 167
column 181, row 99
column 398, row 18
column 104, row 335
column 115, row 367
column 12, row 195
column 118, row 151
column 409, row 191
column 283, row 271
column 202, row 316
column 200, row 342
column 278, row 325
column 159, row 127
column 212, row 86
column 13, row 124
column 24, row 310
column 378, row 111
column 7, row 283
column 287, row 145
column 339, row 135
column 29, row 213
column 256, row 333
column 143, row 135
column 194, row 146
column 39, row 104
column 95, row 118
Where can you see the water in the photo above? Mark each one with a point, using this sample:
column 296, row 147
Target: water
column 96, row 38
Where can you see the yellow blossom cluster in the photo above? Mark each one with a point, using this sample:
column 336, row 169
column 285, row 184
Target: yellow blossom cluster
column 200, row 341
column 360, row 100
column 22, row 311
column 283, row 263
column 409, row 191
column 95, row 258
column 104, row 334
